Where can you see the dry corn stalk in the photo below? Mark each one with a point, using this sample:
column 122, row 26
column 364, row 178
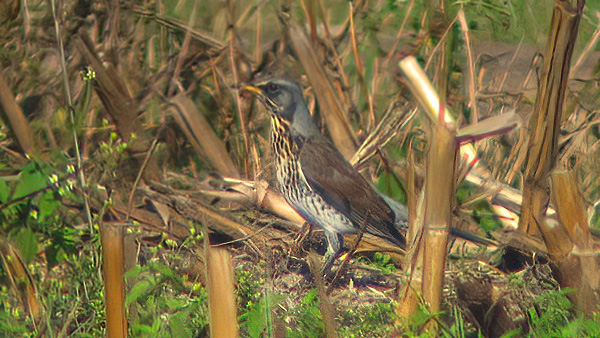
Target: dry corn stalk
column 544, row 126
column 221, row 296
column 431, row 246
column 439, row 197
column 201, row 136
column 420, row 85
column 330, row 102
column 115, row 97
column 569, row 244
column 15, row 120
column 111, row 237
column 21, row 280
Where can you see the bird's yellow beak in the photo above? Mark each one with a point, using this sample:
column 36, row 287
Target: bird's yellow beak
column 261, row 96
column 254, row 90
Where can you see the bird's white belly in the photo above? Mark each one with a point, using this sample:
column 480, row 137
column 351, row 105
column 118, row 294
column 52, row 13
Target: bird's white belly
column 308, row 203
column 323, row 215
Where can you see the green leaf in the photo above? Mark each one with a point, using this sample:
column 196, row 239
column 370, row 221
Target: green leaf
column 31, row 180
column 133, row 272
column 47, row 205
column 142, row 328
column 27, row 242
column 63, row 241
column 54, row 255
column 389, row 185
column 178, row 324
column 256, row 319
column 164, row 271
column 175, row 303
column 4, row 192
column 156, row 325
column 137, row 291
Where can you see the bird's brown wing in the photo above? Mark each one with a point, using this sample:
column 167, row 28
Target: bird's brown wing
column 335, row 179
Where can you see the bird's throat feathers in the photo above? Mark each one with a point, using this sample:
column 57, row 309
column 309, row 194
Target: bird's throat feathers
column 280, row 125
column 284, row 140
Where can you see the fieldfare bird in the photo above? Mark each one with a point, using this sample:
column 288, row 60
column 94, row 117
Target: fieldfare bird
column 315, row 178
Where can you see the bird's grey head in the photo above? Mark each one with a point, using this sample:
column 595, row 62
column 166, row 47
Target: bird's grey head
column 284, row 101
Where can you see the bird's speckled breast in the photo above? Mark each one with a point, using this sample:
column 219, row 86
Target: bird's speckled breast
column 294, row 186
column 287, row 168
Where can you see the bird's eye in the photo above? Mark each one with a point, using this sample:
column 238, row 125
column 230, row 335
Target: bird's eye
column 271, row 87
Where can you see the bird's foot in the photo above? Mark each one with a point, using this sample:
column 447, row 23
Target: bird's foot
column 334, row 276
column 345, row 260
column 301, row 237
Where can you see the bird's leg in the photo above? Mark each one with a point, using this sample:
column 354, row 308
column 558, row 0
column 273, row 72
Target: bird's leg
column 334, row 248
column 359, row 236
column 304, row 232
column 348, row 255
